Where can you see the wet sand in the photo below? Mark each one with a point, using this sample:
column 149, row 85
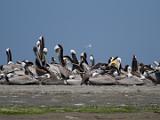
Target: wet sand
column 52, row 95
column 85, row 116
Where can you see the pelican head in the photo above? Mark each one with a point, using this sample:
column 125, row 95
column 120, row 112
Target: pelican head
column 92, row 60
column 41, row 37
column 23, row 64
column 134, row 56
column 8, row 49
column 83, row 54
column 72, row 51
column 45, row 51
column 65, row 59
column 129, row 69
column 91, row 57
column 57, row 48
column 119, row 59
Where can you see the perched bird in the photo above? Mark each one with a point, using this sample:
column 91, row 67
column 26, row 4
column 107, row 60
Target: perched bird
column 74, row 59
column 134, row 64
column 9, row 56
column 92, row 60
column 129, row 70
column 83, row 57
column 115, row 65
column 59, row 50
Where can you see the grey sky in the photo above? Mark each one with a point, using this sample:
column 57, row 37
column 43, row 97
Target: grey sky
column 112, row 27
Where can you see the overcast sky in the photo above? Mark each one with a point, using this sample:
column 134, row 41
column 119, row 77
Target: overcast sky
column 101, row 27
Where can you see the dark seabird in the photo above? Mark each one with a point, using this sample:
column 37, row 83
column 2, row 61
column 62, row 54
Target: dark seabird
column 83, row 57
column 9, row 56
column 84, row 63
column 40, row 69
column 86, row 73
column 74, row 59
column 25, row 64
column 59, row 50
column 35, row 50
column 42, row 46
column 116, row 66
column 61, row 69
column 134, row 64
column 41, row 50
column 77, row 66
column 82, row 70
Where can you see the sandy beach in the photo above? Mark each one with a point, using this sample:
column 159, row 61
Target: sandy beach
column 51, row 95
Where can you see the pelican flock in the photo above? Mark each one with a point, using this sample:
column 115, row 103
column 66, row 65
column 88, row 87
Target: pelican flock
column 69, row 70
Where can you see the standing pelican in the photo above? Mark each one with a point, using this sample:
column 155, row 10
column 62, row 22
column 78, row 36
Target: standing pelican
column 59, row 50
column 65, row 73
column 68, row 59
column 40, row 69
column 134, row 64
column 9, row 56
column 83, row 62
column 42, row 45
column 83, row 57
column 74, row 59
column 86, row 73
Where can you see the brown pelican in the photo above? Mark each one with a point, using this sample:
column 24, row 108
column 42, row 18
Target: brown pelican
column 116, row 66
column 83, row 62
column 68, row 59
column 9, row 56
column 86, row 73
column 81, row 70
column 134, row 64
column 40, row 69
column 25, row 64
column 10, row 66
column 59, row 50
column 83, row 57
column 95, row 76
column 63, row 68
column 74, row 59
column 22, row 76
column 44, row 73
